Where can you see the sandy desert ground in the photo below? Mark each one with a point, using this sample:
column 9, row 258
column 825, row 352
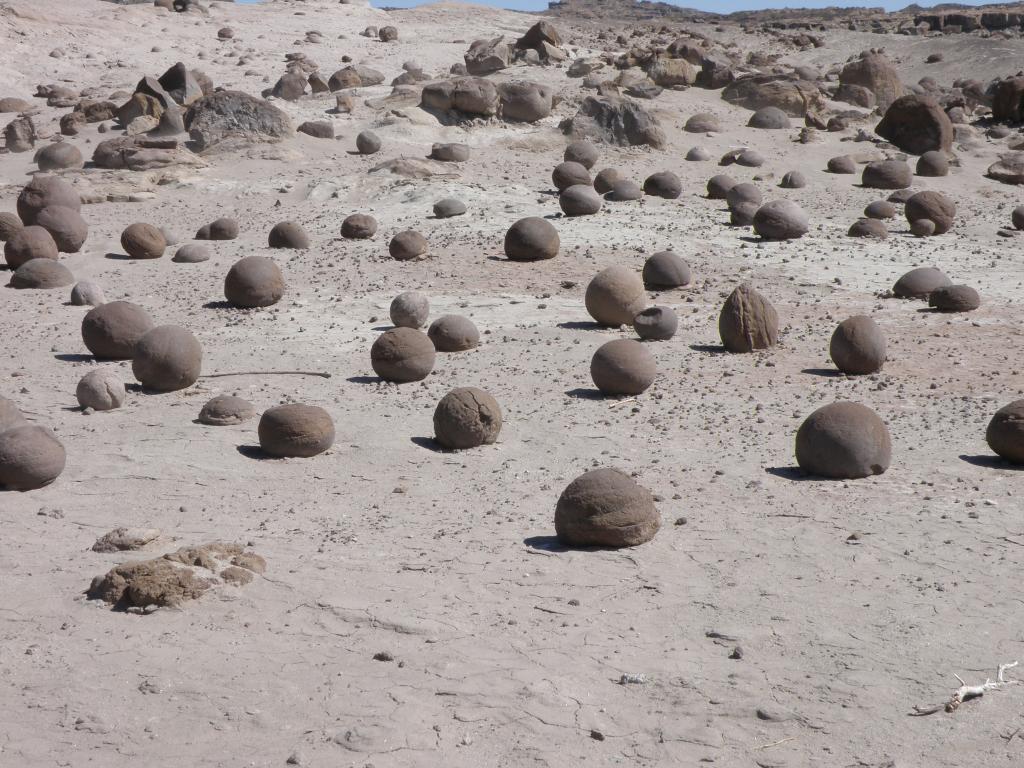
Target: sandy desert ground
column 852, row 602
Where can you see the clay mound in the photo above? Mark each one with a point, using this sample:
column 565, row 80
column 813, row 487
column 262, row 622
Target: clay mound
column 176, row 578
column 748, row 321
column 605, row 508
column 843, row 441
column 125, row 539
column 296, row 431
column 467, row 417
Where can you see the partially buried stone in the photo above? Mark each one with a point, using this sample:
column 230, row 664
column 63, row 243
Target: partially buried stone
column 605, row 508
column 449, row 207
column 359, row 226
column 954, row 298
column 843, row 441
column 295, row 431
column 43, row 274
column 191, row 253
column 226, row 410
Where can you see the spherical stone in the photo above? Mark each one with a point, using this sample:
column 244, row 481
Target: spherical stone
column 359, row 226
column 192, row 253
column 605, row 508
column 769, row 118
column 615, row 296
column 44, row 191
column 368, row 143
column 624, row 190
column 793, row 180
column 742, row 214
column 656, row 324
column 922, row 228
column 101, row 390
column 919, row 283
column 933, row 206
column 745, row 192
column 407, row 245
column 65, row 225
column 10, row 224
column 30, row 457
column 86, row 293
column 665, row 269
column 532, row 239
column 31, row 242
column 933, row 163
column 580, row 200
column 605, row 179
column 226, row 410
column 409, row 310
column 295, row 431
column 1017, row 217
column 698, row 155
column 900, row 196
column 843, row 441
column 781, row 220
column 880, row 209
column 568, row 174
column 663, row 184
column 111, row 331
column 453, row 333
column 750, row 158
column 223, row 228
column 868, row 228
column 288, row 234
column 254, row 281
column 10, row 415
column 858, row 346
column 747, row 321
column 719, row 186
column 842, row 164
column 449, row 207
column 954, row 298
column 143, row 241
column 450, row 153
column 402, row 355
column 1005, row 433
column 582, row 152
column 623, row 367
column 703, row 122
column 58, row 156
column 167, row 358
column 42, row 274
column 467, row 417
column 887, row 174
column 169, row 236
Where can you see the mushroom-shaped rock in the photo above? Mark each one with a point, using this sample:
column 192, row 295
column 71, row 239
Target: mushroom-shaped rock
column 579, row 200
column 59, row 156
column 624, row 190
column 226, row 410
column 933, row 206
column 663, row 184
column 748, row 321
column 359, row 226
column 665, row 269
column 1005, row 433
column 656, row 324
column 453, row 333
column 933, row 163
column 858, row 346
column 409, row 310
column 467, row 417
column 623, row 367
column 954, row 298
column 606, row 178
column 780, row 220
column 719, row 186
column 167, row 358
column 254, row 281
column 143, row 241
column 101, row 390
column 793, row 180
column 111, row 331
column 30, row 457
column 224, row 228
column 42, row 274
column 402, row 355
column 887, row 174
column 615, row 296
column 28, row 243
column 295, row 431
column 368, row 143
column 769, row 118
column 407, row 245
column 449, row 207
column 843, row 441
column 288, row 234
column 531, row 239
column 868, row 228
column 86, row 293
column 582, row 152
column 65, row 225
column 569, row 174
column 44, row 191
column 920, row 282
column 880, row 209
column 605, row 508
column 191, row 253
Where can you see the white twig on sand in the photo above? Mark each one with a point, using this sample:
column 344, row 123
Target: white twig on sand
column 965, row 691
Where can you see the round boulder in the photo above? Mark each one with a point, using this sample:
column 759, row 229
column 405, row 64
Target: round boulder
column 933, row 163
column 703, row 122
column 954, row 298
column 466, row 417
column 780, row 220
column 223, row 228
column 30, row 457
column 744, row 192
column 664, row 270
column 933, row 206
column 605, row 508
column 793, row 180
column 623, row 367
column 409, row 310
column 42, row 274
column 449, row 207
column 868, row 228
column 28, row 243
column 880, row 209
column 748, row 321
column 65, row 225
column 359, row 226
column 858, row 346
column 1005, row 433
column 719, row 186
column 225, row 411
column 101, row 390
column 407, row 245
column 615, row 296
column 254, row 281
column 569, row 174
column 295, row 431
column 453, row 333
column 887, row 174
column 605, row 179
column 843, row 441
column 167, row 358
column 531, row 239
column 582, row 152
column 10, row 224
column 844, row 164
column 143, row 241
column 86, row 293
column 769, row 118
column 368, row 143
column 44, row 191
column 663, row 184
column 922, row 228
column 656, row 324
column 402, row 355
column 191, row 253
column 579, row 200
column 1017, row 217
column 288, row 234
column 919, row 283
column 59, row 156
column 111, row 331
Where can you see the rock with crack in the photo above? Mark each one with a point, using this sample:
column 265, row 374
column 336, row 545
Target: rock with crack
column 236, row 116
column 615, row 120
column 139, row 153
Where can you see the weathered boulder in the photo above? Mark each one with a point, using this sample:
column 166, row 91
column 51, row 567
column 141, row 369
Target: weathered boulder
column 794, row 97
column 525, row 102
column 876, row 73
column 487, row 56
column 614, row 120
column 469, row 95
column 916, row 124
column 237, row 116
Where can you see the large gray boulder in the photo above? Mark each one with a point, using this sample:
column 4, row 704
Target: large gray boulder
column 237, row 116
column 615, row 120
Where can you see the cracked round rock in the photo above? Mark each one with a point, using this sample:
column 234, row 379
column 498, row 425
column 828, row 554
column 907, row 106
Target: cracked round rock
column 467, row 417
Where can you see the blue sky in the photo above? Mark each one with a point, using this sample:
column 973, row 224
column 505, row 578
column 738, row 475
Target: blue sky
column 720, row 6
